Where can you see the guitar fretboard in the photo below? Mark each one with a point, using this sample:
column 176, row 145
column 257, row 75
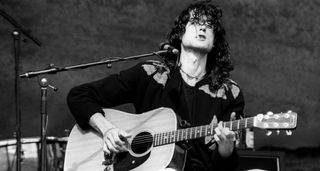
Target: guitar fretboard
column 198, row 131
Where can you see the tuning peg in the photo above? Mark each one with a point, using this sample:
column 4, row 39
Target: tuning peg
column 289, row 132
column 269, row 113
column 278, row 132
column 268, row 133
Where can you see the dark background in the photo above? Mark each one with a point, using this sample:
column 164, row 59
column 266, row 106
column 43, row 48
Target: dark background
column 274, row 44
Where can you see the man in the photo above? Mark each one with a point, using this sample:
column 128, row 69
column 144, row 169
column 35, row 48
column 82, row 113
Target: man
column 195, row 85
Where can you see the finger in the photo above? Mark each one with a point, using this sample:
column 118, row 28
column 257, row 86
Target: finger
column 118, row 142
column 124, row 134
column 217, row 130
column 105, row 149
column 111, row 147
column 212, row 140
column 230, row 135
column 220, row 133
column 216, row 138
column 222, row 136
column 212, row 147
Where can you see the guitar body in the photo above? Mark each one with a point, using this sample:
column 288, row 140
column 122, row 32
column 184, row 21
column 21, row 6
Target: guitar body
column 84, row 149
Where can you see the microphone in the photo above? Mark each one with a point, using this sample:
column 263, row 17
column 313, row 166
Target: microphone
column 166, row 46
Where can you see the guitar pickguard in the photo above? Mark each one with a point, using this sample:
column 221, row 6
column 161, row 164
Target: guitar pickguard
column 125, row 161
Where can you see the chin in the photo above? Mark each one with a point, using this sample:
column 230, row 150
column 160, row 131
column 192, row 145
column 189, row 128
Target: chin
column 205, row 49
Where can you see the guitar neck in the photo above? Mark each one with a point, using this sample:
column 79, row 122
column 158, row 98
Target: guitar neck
column 199, row 131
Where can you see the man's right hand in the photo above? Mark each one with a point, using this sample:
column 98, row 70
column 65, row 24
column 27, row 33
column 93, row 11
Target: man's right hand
column 115, row 140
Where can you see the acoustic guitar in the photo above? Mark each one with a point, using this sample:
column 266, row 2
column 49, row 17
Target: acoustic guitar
column 152, row 145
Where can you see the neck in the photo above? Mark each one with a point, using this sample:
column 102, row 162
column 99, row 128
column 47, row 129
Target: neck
column 193, row 63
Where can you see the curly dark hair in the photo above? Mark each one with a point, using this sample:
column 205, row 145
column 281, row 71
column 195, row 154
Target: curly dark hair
column 219, row 63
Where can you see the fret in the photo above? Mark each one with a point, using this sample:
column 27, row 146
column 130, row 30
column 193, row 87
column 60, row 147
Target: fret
column 156, row 139
column 174, row 136
column 187, row 133
column 207, row 132
column 231, row 125
column 245, row 124
column 184, row 134
column 197, row 132
column 167, row 138
column 238, row 127
column 161, row 138
column 194, row 135
column 194, row 132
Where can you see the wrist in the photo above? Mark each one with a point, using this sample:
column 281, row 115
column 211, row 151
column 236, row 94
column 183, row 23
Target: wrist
column 108, row 130
column 225, row 150
column 100, row 123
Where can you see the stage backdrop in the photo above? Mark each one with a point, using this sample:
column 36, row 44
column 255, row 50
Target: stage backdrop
column 275, row 46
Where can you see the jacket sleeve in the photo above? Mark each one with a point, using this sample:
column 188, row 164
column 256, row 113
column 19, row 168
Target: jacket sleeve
column 87, row 99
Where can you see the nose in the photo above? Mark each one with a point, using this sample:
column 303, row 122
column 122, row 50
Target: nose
column 202, row 27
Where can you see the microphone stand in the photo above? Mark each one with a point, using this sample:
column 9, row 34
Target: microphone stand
column 17, row 49
column 54, row 69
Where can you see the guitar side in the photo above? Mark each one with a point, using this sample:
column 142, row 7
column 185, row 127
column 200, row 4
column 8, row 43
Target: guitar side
column 84, row 148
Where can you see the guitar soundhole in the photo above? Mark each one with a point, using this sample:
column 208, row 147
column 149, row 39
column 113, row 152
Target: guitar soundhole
column 142, row 142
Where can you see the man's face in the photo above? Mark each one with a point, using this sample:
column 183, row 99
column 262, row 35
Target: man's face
column 199, row 34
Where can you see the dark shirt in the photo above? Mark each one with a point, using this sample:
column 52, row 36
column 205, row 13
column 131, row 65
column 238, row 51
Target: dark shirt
column 150, row 85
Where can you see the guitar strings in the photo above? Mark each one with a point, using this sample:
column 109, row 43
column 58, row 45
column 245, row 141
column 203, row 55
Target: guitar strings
column 172, row 136
column 167, row 136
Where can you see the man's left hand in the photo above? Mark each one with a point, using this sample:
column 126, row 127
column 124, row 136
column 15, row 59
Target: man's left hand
column 225, row 139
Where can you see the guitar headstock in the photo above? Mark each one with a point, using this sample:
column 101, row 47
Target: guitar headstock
column 278, row 121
